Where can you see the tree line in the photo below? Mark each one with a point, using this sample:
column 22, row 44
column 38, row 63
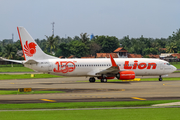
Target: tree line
column 81, row 46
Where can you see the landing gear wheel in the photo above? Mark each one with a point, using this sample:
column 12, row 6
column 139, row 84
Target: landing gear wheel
column 118, row 76
column 104, row 80
column 92, row 79
column 160, row 78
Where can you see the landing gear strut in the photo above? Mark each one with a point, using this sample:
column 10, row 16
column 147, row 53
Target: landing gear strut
column 160, row 78
column 92, row 79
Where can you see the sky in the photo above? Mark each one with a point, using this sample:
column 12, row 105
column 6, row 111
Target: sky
column 150, row 18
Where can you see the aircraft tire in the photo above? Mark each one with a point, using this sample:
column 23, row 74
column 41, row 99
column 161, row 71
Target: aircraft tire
column 160, row 79
column 92, row 80
column 104, row 80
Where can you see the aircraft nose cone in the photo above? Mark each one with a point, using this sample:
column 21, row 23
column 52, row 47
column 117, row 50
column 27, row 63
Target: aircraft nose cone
column 174, row 68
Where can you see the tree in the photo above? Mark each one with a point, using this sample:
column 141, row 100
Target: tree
column 64, row 49
column 77, row 38
column 84, row 37
column 78, row 48
column 17, row 45
column 94, row 48
column 172, row 47
column 0, row 51
column 9, row 51
column 107, row 44
column 51, row 43
column 58, row 53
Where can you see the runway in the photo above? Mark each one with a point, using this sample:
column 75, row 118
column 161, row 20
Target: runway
column 77, row 89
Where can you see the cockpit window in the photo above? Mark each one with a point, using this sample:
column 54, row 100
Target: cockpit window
column 168, row 63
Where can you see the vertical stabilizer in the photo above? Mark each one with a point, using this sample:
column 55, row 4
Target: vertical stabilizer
column 30, row 48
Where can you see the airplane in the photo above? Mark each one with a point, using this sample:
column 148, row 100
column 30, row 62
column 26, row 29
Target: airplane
column 100, row 68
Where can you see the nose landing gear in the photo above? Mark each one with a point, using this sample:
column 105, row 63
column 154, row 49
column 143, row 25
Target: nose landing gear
column 160, row 78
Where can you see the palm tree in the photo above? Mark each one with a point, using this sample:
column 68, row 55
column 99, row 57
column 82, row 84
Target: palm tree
column 51, row 42
column 84, row 37
column 9, row 51
column 172, row 48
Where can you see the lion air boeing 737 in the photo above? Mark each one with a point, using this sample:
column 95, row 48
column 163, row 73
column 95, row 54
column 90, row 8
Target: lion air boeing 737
column 102, row 68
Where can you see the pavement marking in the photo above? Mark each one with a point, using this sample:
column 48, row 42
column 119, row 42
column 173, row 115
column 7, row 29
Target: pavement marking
column 11, row 83
column 166, row 84
column 138, row 98
column 48, row 100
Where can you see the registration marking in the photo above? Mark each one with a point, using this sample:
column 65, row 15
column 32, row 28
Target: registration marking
column 48, row 100
column 138, row 98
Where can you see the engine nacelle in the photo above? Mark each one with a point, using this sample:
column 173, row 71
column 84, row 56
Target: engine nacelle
column 106, row 77
column 125, row 75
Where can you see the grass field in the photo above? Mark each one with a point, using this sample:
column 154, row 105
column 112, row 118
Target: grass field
column 26, row 76
column 10, row 92
column 63, row 105
column 176, row 64
column 111, row 114
column 15, row 69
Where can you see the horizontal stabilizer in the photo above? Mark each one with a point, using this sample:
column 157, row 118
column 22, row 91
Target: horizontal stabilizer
column 16, row 61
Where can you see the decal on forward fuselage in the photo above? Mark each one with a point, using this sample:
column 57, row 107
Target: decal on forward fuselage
column 139, row 65
column 64, row 66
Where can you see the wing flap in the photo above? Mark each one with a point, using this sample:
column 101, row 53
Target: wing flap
column 111, row 70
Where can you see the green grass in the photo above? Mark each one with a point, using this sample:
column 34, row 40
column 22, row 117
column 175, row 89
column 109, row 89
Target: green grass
column 10, row 92
column 26, row 76
column 176, row 64
column 111, row 114
column 9, row 65
column 156, row 79
column 15, row 69
column 82, row 104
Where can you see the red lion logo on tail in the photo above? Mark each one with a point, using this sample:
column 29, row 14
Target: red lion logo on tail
column 30, row 49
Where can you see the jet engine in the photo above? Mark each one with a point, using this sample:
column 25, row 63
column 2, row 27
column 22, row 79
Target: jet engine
column 125, row 75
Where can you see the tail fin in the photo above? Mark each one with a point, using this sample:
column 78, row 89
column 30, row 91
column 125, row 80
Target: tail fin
column 30, row 48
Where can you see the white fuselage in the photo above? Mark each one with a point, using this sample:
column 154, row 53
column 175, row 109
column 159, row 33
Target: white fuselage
column 89, row 67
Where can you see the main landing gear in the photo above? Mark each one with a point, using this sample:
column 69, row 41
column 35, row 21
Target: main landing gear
column 160, row 78
column 104, row 79
column 92, row 79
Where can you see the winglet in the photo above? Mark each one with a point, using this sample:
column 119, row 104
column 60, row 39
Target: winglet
column 112, row 61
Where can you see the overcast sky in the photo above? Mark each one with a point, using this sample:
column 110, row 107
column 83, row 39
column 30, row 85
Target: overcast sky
column 150, row 18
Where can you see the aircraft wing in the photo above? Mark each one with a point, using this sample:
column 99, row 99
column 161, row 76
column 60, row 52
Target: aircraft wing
column 114, row 69
column 110, row 70
column 16, row 61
